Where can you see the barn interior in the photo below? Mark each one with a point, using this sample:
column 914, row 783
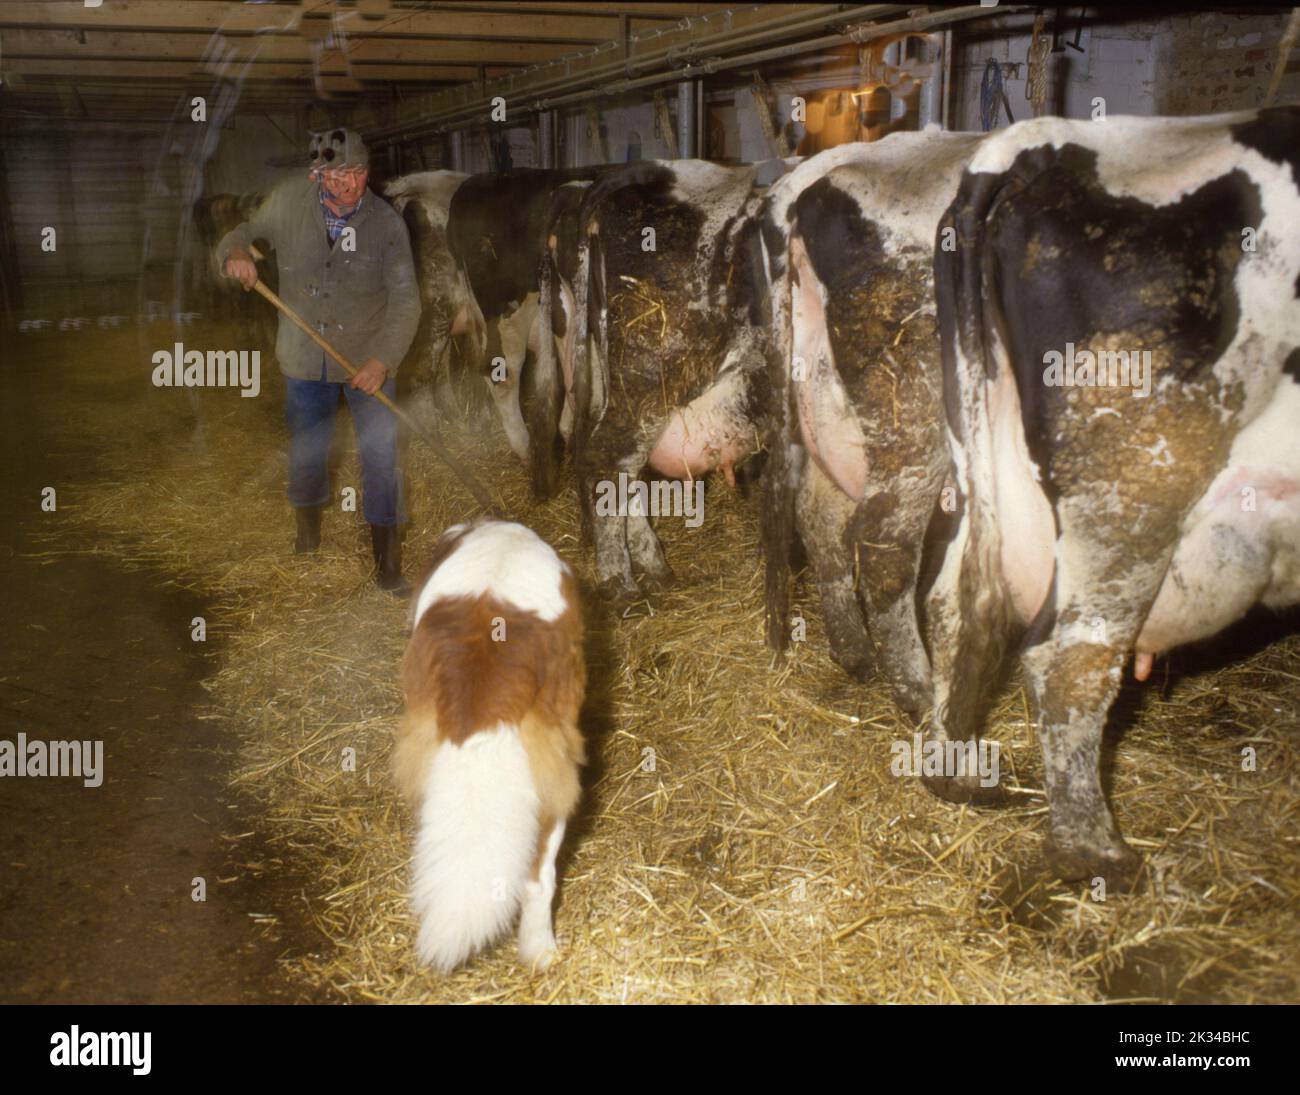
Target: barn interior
column 742, row 836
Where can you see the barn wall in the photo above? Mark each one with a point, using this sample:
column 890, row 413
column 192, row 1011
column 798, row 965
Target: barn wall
column 630, row 131
column 1217, row 62
column 1195, row 63
column 252, row 152
column 119, row 199
column 110, row 197
column 522, row 141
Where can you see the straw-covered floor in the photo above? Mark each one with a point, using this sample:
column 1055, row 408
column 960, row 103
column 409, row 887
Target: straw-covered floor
column 742, row 837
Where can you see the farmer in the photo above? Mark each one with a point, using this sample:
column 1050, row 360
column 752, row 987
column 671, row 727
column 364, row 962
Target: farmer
column 345, row 267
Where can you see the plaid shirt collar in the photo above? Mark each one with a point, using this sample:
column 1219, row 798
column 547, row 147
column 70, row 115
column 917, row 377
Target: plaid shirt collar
column 335, row 224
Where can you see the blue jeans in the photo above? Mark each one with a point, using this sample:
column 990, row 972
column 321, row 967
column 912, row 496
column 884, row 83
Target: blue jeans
column 310, row 407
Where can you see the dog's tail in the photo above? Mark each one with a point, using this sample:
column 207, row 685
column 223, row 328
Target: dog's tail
column 477, row 841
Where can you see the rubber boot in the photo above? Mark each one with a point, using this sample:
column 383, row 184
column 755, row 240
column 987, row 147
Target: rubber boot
column 387, row 545
column 308, row 529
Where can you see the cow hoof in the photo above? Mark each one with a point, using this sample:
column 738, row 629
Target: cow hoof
column 966, row 791
column 860, row 668
column 852, row 653
column 1120, row 867
column 915, row 702
column 658, row 583
column 621, row 593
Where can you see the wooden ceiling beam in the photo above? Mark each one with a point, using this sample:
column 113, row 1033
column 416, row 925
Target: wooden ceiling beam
column 589, row 23
column 635, row 7
column 95, row 89
column 105, row 45
column 138, row 69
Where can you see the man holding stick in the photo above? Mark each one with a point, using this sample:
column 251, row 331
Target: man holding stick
column 345, row 267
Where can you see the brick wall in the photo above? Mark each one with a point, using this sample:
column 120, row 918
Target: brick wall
column 1177, row 64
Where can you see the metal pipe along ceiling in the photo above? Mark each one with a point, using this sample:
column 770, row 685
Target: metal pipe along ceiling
column 471, row 113
column 677, row 58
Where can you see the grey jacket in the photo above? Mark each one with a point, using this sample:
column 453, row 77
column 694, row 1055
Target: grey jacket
column 364, row 302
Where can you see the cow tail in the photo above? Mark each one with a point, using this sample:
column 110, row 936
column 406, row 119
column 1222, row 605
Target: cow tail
column 477, row 333
column 781, row 471
column 780, row 479
column 589, row 317
column 972, row 616
column 544, row 445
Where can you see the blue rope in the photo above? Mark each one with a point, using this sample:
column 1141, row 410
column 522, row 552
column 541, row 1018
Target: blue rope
column 990, row 94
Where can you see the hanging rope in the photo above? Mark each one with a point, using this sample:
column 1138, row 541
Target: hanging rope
column 1036, row 84
column 992, row 94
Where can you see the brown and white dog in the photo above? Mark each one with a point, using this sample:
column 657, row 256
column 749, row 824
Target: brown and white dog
column 489, row 749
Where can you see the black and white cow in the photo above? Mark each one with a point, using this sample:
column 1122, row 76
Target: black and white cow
column 653, row 297
column 547, row 390
column 858, row 459
column 424, row 200
column 497, row 233
column 1150, row 509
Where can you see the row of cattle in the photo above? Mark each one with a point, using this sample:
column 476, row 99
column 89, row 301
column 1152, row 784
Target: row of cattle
column 881, row 321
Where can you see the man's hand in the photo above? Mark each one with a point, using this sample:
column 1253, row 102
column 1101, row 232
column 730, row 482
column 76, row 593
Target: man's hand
column 240, row 265
column 371, row 376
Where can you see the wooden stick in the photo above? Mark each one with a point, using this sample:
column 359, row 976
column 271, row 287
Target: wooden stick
column 1284, row 48
column 462, row 473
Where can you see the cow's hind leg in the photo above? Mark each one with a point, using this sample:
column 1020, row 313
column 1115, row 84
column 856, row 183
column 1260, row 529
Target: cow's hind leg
column 606, row 500
column 1107, row 578
column 1072, row 678
column 822, row 515
column 505, row 398
column 613, row 561
column 647, row 554
column 888, row 533
column 503, row 373
column 969, row 618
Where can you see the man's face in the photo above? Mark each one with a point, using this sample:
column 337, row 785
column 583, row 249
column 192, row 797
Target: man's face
column 343, row 186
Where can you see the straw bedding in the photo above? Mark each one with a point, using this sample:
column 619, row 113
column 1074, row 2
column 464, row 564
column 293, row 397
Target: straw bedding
column 741, row 836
